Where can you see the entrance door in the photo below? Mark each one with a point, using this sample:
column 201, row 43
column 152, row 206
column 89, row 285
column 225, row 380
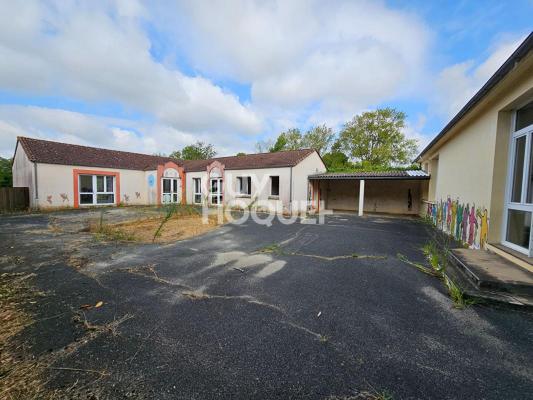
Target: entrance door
column 519, row 205
column 216, row 191
column 169, row 193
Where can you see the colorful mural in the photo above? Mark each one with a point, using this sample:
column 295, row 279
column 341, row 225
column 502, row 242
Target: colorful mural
column 464, row 222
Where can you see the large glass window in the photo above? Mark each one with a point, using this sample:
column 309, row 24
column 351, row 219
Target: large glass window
column 170, row 190
column 519, row 207
column 197, row 183
column 518, row 170
column 96, row 189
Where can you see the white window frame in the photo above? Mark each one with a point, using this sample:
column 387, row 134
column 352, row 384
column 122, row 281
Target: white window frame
column 197, row 190
column 95, row 191
column 240, row 186
column 218, row 194
column 174, row 194
column 522, row 205
column 272, row 194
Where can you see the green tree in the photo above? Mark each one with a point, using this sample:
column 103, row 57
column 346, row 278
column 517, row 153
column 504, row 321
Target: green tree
column 176, row 154
column 240, row 153
column 318, row 138
column 375, row 139
column 288, row 140
column 6, row 174
column 198, row 151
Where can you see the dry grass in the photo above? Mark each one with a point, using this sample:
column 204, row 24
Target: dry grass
column 177, row 227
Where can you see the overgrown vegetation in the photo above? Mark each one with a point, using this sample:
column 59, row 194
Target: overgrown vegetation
column 6, row 175
column 438, row 260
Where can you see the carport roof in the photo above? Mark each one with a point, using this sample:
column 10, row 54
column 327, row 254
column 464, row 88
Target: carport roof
column 414, row 174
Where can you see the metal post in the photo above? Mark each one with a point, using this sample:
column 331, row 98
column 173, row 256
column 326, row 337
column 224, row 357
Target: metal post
column 361, row 196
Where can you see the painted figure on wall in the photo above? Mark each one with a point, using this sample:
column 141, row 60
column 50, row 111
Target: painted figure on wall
column 472, row 225
column 484, row 230
column 64, row 197
column 49, row 199
column 464, row 227
column 454, row 216
column 459, row 222
column 448, row 214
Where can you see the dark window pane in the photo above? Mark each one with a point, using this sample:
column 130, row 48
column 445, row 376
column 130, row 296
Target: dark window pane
column 274, row 185
column 249, row 185
column 197, row 198
column 214, row 185
column 105, row 198
column 109, row 184
column 100, row 183
column 174, row 185
column 214, row 199
column 518, row 227
column 175, row 198
column 518, row 171
column 86, row 199
column 524, row 117
column 166, row 185
column 86, row 184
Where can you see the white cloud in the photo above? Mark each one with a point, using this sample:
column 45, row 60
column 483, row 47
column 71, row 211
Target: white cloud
column 90, row 130
column 337, row 56
column 456, row 84
column 100, row 53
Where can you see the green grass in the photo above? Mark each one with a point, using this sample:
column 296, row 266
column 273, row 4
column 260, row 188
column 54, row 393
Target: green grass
column 438, row 261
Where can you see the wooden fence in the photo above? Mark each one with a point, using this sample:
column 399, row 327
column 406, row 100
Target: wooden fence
column 14, row 199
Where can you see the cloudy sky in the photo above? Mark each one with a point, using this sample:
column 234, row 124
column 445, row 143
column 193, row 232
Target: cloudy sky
column 155, row 76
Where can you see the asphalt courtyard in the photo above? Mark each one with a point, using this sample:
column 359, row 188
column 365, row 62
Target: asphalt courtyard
column 249, row 311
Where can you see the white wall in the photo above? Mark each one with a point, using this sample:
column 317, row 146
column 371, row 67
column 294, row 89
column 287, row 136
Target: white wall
column 56, row 185
column 312, row 164
column 23, row 170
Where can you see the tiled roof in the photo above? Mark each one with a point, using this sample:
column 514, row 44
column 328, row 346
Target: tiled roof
column 414, row 174
column 278, row 159
column 49, row 152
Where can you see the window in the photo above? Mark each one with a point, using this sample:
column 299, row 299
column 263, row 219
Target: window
column 170, row 190
column 274, row 185
column 97, row 189
column 197, row 184
column 519, row 204
column 244, row 185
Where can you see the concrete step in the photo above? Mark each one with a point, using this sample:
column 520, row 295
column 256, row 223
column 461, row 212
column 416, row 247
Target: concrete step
column 491, row 272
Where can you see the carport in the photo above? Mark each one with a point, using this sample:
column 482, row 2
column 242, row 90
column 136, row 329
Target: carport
column 391, row 192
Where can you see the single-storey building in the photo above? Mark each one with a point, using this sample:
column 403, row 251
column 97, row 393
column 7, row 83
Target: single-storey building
column 67, row 175
column 481, row 164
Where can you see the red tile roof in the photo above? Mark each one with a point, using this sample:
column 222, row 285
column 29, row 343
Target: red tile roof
column 49, row 152
column 288, row 158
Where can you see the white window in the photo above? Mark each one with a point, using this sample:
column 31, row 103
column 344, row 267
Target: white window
column 197, row 184
column 274, row 185
column 244, row 185
column 97, row 189
column 216, row 191
column 170, row 190
column 519, row 204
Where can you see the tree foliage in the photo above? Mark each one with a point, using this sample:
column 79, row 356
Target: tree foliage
column 318, row 138
column 375, row 139
column 6, row 175
column 196, row 151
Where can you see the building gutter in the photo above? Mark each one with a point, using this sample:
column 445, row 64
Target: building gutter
column 36, row 180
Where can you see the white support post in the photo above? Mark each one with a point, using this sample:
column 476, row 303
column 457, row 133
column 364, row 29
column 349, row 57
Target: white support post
column 361, row 196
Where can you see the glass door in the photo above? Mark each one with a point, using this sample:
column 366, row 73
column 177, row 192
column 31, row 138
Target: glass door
column 170, row 190
column 216, row 191
column 519, row 205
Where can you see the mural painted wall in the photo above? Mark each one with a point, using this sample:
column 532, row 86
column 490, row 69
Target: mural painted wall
column 464, row 222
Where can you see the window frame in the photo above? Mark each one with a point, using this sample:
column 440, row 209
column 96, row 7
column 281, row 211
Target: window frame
column 240, row 180
column 94, row 193
column 522, row 205
column 271, row 186
column 197, row 190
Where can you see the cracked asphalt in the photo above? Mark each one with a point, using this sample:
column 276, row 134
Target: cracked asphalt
column 333, row 314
